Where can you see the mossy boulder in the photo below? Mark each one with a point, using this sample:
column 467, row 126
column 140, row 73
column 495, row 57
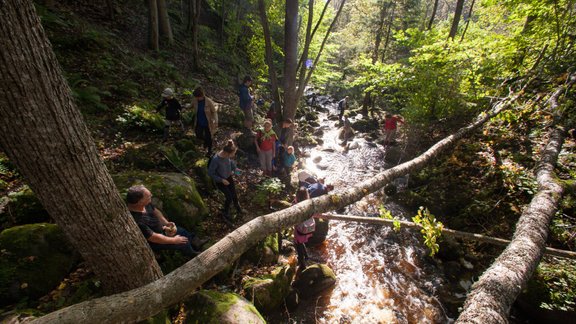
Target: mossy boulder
column 320, row 233
column 213, row 307
column 365, row 125
column 201, row 170
column 314, row 279
column 268, row 292
column 22, row 207
column 34, row 260
column 174, row 194
column 265, row 252
column 143, row 157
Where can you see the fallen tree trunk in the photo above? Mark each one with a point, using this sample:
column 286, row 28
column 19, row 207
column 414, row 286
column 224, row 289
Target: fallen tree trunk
column 459, row 234
column 493, row 294
column 141, row 303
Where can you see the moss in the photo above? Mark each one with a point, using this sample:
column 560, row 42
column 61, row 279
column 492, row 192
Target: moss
column 201, row 170
column 257, row 253
column 36, row 257
column 23, row 208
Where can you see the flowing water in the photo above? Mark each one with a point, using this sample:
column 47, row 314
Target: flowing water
column 382, row 275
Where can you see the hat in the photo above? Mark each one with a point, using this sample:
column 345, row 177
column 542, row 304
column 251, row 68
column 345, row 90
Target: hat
column 168, row 92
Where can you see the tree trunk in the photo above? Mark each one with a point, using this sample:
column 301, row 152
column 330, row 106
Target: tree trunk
column 367, row 102
column 42, row 132
column 389, row 32
column 290, row 61
column 269, row 54
column 431, row 21
column 153, row 25
column 164, row 19
column 110, row 9
column 493, row 294
column 302, row 66
column 137, row 305
column 456, row 20
column 467, row 19
column 195, row 4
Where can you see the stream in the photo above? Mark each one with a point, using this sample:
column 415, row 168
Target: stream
column 383, row 276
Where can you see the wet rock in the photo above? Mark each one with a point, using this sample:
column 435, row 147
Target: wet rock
column 174, row 194
column 318, row 132
column 322, row 166
column 314, row 279
column 35, row 258
column 452, row 269
column 314, row 123
column 450, row 250
column 317, row 159
column 328, row 149
column 269, row 292
column 265, row 252
column 365, row 125
column 208, row 306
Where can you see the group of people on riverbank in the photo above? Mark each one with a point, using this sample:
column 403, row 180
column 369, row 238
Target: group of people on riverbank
column 275, row 156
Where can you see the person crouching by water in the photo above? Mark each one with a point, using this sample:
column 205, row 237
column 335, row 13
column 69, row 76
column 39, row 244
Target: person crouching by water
column 221, row 169
column 172, row 114
column 206, row 121
column 160, row 233
column 303, row 231
column 265, row 142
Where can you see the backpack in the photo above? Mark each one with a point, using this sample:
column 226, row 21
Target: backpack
column 306, row 227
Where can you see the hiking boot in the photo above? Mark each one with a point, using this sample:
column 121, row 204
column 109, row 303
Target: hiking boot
column 197, row 242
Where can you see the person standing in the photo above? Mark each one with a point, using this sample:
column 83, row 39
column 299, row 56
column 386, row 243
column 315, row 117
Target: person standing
column 221, row 170
column 158, row 231
column 246, row 101
column 342, row 106
column 173, row 112
column 265, row 142
column 303, row 231
column 390, row 126
column 206, row 121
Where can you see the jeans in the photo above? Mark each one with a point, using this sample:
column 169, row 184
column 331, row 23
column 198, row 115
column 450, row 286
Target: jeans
column 203, row 133
column 229, row 192
column 186, row 249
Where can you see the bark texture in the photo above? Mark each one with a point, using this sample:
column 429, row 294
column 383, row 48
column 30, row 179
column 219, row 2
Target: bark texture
column 456, row 20
column 164, row 19
column 146, row 301
column 154, row 34
column 496, row 290
column 43, row 133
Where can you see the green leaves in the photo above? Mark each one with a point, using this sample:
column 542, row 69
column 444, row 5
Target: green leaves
column 431, row 229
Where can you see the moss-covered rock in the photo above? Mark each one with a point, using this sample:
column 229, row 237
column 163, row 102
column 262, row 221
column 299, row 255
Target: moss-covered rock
column 265, row 252
column 35, row 258
column 22, row 207
column 174, row 194
column 314, row 279
column 208, row 306
column 201, row 170
column 268, row 292
column 143, row 157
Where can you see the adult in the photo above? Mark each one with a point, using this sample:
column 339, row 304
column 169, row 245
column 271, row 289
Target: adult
column 265, row 142
column 173, row 112
column 342, row 106
column 221, row 170
column 390, row 126
column 160, row 233
column 206, row 121
column 246, row 101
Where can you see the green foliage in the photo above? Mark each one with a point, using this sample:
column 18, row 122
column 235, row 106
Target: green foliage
column 181, row 160
column 266, row 189
column 553, row 286
column 386, row 214
column 143, row 118
column 431, row 229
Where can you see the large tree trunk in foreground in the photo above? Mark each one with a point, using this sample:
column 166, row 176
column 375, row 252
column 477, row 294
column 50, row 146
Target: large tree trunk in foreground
column 496, row 290
column 290, row 63
column 153, row 31
column 146, row 301
column 42, row 132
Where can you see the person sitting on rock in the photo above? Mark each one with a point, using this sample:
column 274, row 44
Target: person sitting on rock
column 160, row 233
column 346, row 133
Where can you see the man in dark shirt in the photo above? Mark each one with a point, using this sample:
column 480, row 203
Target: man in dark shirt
column 342, row 106
column 173, row 109
column 246, row 101
column 158, row 231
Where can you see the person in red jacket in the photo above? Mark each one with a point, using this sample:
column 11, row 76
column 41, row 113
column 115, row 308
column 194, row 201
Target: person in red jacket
column 390, row 126
column 265, row 146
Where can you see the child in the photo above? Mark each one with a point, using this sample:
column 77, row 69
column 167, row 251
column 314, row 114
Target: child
column 390, row 125
column 289, row 159
column 265, row 146
column 300, row 239
column 173, row 109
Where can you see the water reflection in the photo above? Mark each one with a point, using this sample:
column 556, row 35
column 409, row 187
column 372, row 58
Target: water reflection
column 380, row 274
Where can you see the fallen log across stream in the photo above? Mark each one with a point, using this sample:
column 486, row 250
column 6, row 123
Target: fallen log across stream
column 458, row 234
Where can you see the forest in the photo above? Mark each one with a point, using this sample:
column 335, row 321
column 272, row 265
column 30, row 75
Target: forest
column 282, row 161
